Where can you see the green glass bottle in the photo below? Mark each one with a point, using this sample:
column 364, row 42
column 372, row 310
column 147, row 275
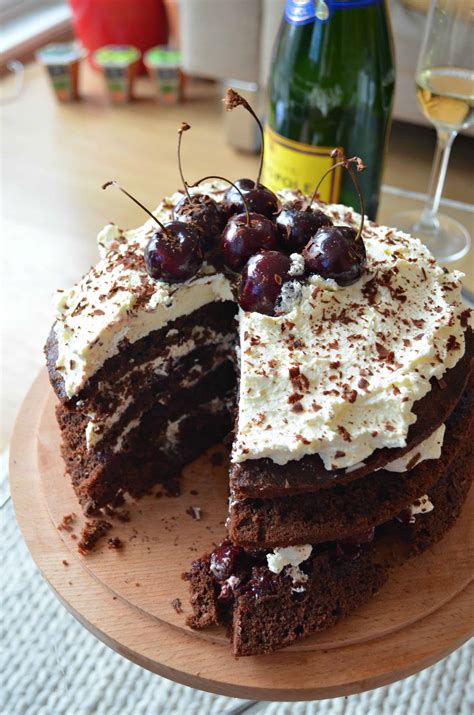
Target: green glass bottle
column 331, row 85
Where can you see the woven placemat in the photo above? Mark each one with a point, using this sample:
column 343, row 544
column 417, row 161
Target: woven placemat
column 51, row 665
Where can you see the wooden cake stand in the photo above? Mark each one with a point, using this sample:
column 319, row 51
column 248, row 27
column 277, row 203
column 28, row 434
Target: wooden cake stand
column 130, row 597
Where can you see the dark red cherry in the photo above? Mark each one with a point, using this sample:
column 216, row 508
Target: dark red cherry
column 240, row 240
column 262, row 583
column 296, row 227
column 224, row 560
column 259, row 199
column 204, row 213
column 261, row 282
column 174, row 254
column 335, row 253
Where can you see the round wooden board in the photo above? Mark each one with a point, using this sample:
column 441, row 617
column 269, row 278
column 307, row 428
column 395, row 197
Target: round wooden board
column 182, row 656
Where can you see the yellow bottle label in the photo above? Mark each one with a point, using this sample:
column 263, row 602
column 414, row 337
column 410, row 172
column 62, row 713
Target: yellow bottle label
column 294, row 165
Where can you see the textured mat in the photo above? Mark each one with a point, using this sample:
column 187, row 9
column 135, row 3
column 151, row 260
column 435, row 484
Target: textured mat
column 50, row 664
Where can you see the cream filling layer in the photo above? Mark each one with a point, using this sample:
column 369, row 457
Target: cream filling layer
column 98, row 427
column 170, row 437
column 430, row 448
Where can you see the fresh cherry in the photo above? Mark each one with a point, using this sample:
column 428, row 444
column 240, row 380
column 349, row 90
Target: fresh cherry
column 245, row 235
column 261, row 282
column 174, row 253
column 297, row 226
column 224, row 560
column 198, row 209
column 203, row 213
column 258, row 198
column 336, row 252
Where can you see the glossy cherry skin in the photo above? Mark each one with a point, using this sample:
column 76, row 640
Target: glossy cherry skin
column 240, row 240
column 334, row 253
column 261, row 282
column 176, row 255
column 297, row 227
column 223, row 561
column 259, row 199
column 204, row 213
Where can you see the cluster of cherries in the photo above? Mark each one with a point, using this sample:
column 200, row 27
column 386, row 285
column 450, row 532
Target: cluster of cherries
column 250, row 232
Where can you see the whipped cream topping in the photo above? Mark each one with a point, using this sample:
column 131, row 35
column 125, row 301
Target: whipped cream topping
column 290, row 558
column 338, row 374
column 428, row 449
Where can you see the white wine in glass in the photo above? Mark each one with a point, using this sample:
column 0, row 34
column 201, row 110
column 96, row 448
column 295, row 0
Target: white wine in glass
column 445, row 92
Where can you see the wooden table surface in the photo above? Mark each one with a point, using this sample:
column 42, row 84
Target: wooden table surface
column 55, row 158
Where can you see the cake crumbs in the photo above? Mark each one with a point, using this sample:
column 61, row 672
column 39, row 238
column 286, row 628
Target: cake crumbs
column 67, row 521
column 176, row 603
column 115, row 543
column 91, row 533
column 195, row 512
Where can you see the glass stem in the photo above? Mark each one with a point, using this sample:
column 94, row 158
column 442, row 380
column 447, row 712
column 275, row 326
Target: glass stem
column 428, row 220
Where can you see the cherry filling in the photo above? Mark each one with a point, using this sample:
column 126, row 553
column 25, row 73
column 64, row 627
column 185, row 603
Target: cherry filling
column 224, row 560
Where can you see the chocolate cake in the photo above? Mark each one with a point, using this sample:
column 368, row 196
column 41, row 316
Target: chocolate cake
column 337, row 353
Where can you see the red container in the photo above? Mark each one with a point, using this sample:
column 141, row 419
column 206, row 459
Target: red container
column 141, row 23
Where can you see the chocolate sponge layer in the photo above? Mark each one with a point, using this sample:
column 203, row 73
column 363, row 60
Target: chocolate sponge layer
column 262, row 478
column 367, row 502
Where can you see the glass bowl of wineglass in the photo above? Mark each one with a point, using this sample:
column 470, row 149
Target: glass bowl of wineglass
column 445, row 92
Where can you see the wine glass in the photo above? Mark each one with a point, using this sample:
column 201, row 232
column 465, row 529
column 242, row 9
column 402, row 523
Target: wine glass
column 445, row 92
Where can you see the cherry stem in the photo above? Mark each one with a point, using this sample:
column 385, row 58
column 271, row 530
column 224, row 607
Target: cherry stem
column 114, row 183
column 228, row 181
column 184, row 128
column 346, row 164
column 234, row 99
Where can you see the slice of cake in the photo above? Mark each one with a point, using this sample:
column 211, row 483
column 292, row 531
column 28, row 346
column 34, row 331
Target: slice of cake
column 337, row 350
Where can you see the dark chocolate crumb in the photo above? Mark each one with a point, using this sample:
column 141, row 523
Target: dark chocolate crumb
column 176, row 603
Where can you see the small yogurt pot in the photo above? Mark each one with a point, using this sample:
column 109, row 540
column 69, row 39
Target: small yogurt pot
column 62, row 60
column 119, row 63
column 164, row 67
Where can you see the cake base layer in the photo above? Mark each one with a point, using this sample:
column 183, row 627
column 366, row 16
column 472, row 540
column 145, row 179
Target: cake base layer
column 262, row 478
column 360, row 505
column 266, row 611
